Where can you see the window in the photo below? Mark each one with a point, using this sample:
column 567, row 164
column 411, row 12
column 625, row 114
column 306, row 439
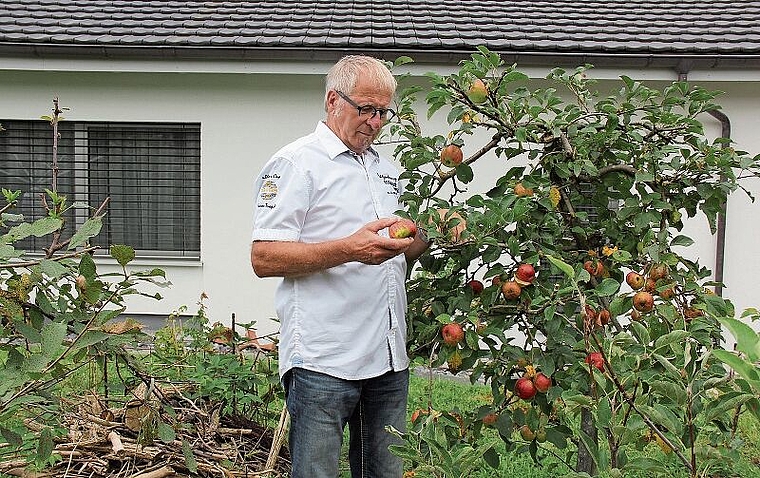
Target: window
column 150, row 172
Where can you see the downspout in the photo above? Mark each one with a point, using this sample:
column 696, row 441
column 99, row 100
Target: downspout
column 720, row 242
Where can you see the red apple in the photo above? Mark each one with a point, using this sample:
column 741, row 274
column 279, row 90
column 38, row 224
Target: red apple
column 476, row 286
column 402, row 228
column 596, row 359
column 643, row 301
column 603, row 317
column 524, row 388
column 511, row 289
column 595, row 268
column 452, row 333
column 525, row 274
column 658, row 271
column 542, row 382
column 478, row 92
column 526, row 433
column 451, row 156
column 650, row 285
column 490, row 419
column 635, row 280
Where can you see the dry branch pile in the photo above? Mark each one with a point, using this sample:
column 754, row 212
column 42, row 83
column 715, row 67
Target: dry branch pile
column 140, row 440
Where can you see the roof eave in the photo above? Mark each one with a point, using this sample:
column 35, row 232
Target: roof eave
column 676, row 61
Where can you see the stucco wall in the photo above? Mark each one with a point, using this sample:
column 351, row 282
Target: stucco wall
column 247, row 113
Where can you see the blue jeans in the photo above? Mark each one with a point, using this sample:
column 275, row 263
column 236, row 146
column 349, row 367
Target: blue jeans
column 320, row 406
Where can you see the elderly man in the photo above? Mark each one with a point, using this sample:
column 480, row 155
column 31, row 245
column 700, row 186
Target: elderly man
column 323, row 206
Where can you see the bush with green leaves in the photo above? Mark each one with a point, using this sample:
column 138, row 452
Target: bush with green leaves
column 588, row 189
column 58, row 315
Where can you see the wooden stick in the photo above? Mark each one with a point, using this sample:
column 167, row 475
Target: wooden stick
column 116, row 444
column 278, row 439
column 165, row 470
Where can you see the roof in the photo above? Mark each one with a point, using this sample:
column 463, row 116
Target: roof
column 716, row 32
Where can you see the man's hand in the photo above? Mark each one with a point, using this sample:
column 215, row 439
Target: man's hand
column 291, row 259
column 371, row 248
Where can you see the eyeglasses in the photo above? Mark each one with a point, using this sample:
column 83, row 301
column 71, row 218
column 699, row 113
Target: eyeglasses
column 386, row 114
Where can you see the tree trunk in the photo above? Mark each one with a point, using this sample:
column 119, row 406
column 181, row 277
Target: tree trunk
column 585, row 460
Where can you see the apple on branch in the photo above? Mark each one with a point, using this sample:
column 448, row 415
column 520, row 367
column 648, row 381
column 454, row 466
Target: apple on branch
column 451, row 156
column 478, row 92
column 452, row 333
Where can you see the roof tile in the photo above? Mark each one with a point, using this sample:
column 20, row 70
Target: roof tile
column 643, row 27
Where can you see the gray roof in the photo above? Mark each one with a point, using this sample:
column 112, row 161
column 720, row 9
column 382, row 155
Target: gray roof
column 713, row 32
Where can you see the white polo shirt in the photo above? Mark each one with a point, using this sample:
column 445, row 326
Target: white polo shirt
column 347, row 321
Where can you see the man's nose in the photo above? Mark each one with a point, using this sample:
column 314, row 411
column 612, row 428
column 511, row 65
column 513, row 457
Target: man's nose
column 376, row 121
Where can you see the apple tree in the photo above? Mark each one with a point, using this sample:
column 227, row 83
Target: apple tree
column 573, row 267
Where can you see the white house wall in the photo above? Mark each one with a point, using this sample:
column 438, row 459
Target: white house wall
column 248, row 111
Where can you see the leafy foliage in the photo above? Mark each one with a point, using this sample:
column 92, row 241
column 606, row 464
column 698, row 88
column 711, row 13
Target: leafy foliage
column 58, row 314
column 587, row 179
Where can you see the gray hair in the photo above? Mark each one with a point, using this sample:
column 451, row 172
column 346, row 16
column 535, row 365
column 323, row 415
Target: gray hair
column 344, row 75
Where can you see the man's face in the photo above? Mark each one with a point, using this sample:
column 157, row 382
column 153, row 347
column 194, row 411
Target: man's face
column 357, row 132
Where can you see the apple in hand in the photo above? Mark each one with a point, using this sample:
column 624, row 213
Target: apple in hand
column 402, row 228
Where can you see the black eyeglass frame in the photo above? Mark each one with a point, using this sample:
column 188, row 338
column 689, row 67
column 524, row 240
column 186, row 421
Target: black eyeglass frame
column 386, row 114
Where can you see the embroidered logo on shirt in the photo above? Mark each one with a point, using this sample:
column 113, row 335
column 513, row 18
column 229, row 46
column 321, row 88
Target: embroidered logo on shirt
column 268, row 190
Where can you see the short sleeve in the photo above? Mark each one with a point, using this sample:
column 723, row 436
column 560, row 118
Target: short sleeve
column 281, row 194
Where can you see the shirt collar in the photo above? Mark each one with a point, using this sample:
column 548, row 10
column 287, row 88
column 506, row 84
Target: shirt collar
column 335, row 147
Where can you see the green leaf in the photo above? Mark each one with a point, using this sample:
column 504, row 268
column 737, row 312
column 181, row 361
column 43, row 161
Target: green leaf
column 465, row 173
column 747, row 340
column 724, row 403
column 677, row 336
column 566, row 268
column 607, row 287
column 190, row 461
column 90, row 228
column 53, row 335
column 39, row 228
column 746, row 369
column 11, row 437
column 166, row 433
column 123, row 254
column 681, row 240
column 53, row 269
column 87, row 266
column 604, row 412
column 668, row 366
column 44, row 446
column 717, row 306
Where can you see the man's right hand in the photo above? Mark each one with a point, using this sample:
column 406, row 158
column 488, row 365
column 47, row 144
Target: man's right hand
column 372, row 248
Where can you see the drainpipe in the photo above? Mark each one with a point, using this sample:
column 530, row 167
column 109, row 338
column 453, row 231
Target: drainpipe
column 720, row 243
